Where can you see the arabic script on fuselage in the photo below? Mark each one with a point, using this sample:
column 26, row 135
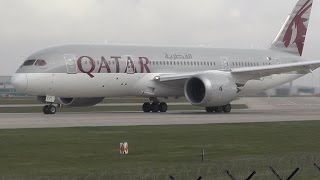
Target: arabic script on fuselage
column 176, row 56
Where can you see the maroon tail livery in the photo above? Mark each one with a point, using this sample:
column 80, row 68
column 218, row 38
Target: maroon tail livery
column 292, row 36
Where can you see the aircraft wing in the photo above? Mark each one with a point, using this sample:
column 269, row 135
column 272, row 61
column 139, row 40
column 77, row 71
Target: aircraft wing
column 263, row 71
column 176, row 76
column 244, row 74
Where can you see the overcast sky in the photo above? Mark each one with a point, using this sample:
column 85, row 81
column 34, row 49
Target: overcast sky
column 31, row 25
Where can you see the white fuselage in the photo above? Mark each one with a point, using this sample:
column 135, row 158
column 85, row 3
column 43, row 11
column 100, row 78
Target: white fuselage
column 114, row 70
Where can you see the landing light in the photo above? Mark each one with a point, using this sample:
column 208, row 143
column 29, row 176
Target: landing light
column 157, row 78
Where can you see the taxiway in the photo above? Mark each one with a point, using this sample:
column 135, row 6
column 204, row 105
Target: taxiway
column 260, row 110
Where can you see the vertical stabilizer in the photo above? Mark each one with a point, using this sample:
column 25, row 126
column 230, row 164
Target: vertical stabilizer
column 293, row 33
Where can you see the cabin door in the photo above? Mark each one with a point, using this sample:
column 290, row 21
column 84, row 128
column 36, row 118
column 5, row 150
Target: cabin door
column 71, row 65
column 225, row 63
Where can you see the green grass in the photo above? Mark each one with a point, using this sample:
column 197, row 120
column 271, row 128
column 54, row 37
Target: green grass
column 18, row 100
column 157, row 151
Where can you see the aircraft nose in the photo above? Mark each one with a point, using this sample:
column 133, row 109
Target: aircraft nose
column 19, row 81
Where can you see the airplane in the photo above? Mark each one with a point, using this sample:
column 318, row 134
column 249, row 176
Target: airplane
column 83, row 75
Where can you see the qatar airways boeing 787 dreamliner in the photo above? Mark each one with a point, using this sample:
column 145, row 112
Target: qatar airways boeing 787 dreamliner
column 83, row 75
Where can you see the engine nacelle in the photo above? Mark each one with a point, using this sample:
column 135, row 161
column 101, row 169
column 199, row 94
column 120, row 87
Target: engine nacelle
column 210, row 89
column 80, row 102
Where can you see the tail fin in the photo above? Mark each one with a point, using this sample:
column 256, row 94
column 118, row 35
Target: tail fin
column 293, row 33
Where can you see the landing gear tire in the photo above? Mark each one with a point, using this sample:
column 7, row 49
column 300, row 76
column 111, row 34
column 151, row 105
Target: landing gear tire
column 218, row 109
column 49, row 109
column 209, row 109
column 146, row 107
column 52, row 109
column 46, row 109
column 155, row 107
column 163, row 107
column 227, row 108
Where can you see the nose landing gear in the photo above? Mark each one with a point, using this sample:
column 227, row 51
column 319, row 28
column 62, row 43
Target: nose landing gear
column 49, row 109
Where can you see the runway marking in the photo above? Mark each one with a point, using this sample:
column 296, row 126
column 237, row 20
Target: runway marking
column 298, row 104
column 292, row 102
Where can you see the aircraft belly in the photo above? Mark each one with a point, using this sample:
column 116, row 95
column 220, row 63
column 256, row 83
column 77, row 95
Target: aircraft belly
column 101, row 85
column 120, row 84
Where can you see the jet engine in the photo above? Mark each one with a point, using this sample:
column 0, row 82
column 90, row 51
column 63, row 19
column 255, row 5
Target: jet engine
column 80, row 102
column 210, row 89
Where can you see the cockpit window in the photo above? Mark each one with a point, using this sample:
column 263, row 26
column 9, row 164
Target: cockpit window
column 29, row 62
column 40, row 62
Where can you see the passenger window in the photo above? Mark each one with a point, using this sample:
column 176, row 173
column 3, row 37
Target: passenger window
column 29, row 62
column 40, row 62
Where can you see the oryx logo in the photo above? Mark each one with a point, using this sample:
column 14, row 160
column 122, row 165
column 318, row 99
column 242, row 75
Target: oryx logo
column 297, row 29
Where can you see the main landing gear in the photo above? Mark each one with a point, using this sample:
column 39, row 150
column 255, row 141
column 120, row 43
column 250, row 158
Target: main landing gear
column 219, row 109
column 155, row 106
column 49, row 109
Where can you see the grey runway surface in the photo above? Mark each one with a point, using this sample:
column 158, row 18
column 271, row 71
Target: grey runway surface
column 260, row 110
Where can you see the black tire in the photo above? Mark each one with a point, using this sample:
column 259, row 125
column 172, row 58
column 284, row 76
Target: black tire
column 210, row 109
column 218, row 109
column 146, row 107
column 163, row 107
column 155, row 107
column 45, row 109
column 52, row 109
column 227, row 108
